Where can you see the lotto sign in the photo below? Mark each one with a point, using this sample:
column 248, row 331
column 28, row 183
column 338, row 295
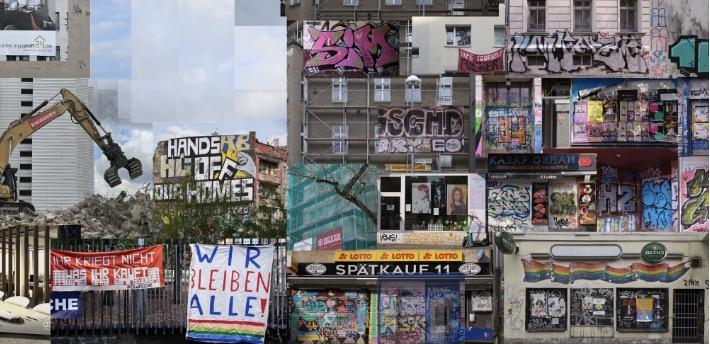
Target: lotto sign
column 398, row 256
column 229, row 293
column 66, row 305
column 139, row 268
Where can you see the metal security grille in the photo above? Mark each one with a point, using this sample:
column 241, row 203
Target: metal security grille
column 688, row 319
column 161, row 310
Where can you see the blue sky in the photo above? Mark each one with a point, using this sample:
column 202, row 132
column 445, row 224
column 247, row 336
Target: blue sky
column 190, row 67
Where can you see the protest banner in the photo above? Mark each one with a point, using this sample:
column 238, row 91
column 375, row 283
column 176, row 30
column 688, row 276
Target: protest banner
column 481, row 64
column 139, row 268
column 228, row 300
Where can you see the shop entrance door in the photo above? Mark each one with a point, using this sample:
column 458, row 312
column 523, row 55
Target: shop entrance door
column 688, row 316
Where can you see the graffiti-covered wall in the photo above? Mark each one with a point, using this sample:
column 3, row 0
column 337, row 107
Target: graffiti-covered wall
column 669, row 39
column 420, row 130
column 509, row 206
column 694, row 198
column 350, row 49
column 329, row 316
column 222, row 167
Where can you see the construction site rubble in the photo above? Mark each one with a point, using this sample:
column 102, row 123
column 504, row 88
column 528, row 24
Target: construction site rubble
column 124, row 216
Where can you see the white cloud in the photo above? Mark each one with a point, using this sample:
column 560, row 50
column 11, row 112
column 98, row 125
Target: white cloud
column 173, row 131
column 260, row 57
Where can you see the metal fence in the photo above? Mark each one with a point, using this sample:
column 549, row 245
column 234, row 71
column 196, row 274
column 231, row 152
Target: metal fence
column 23, row 262
column 161, row 310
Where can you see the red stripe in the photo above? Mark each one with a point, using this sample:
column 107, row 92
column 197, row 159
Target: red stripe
column 235, row 322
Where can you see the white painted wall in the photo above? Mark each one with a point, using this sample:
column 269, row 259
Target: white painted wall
column 429, row 35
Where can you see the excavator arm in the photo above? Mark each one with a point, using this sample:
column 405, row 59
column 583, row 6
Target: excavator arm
column 81, row 115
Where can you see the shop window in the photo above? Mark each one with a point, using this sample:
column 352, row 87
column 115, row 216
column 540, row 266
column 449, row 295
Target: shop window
column 641, row 309
column 546, row 310
column 627, row 16
column 438, row 203
column 536, row 15
column 458, row 36
column 583, row 15
column 382, row 89
column 592, row 307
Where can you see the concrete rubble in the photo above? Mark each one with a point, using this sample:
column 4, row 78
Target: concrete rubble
column 125, row 216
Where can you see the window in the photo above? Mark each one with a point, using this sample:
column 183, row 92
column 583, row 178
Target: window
column 415, row 51
column 11, row 57
column 26, row 80
column 627, row 15
column 456, row 5
column 340, row 147
column 26, row 91
column 499, row 35
column 536, row 60
column 424, row 2
column 26, row 103
column 582, row 60
column 642, row 309
column 393, row 2
column 351, row 2
column 26, row 141
column 458, row 36
column 25, row 179
column 536, row 15
column 546, row 309
column 24, row 114
column 413, row 93
column 57, row 55
column 295, row 2
column 583, row 15
column 340, row 90
column 26, row 193
column 340, row 131
column 24, row 57
column 25, row 166
column 41, row 58
column 445, row 91
column 382, row 89
column 26, row 154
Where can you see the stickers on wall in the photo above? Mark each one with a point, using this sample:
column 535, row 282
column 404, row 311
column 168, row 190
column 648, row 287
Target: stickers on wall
column 587, row 204
column 563, row 204
column 539, row 203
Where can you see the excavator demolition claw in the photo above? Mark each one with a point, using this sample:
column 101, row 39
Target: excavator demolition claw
column 118, row 160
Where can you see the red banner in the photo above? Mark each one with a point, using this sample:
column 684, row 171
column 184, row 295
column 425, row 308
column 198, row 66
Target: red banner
column 330, row 240
column 481, row 64
column 139, row 268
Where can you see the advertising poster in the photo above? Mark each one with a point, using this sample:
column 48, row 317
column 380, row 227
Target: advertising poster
column 421, row 198
column 644, row 309
column 482, row 301
column 228, row 299
column 538, row 307
column 138, row 268
column 29, row 28
column 330, row 240
column 595, row 111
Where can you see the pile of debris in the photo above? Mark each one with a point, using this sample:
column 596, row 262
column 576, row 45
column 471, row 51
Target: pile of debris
column 124, row 216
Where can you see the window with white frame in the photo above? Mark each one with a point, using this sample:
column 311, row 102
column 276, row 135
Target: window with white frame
column 382, row 89
column 424, row 2
column 413, row 92
column 445, row 94
column 536, row 15
column 583, row 15
column 627, row 15
column 351, row 2
column 340, row 90
column 458, row 36
column 340, row 131
column 340, row 147
column 393, row 2
column 499, row 35
column 295, row 2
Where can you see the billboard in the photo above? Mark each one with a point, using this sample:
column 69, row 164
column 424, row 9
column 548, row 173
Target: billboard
column 31, row 28
column 221, row 167
column 350, row 49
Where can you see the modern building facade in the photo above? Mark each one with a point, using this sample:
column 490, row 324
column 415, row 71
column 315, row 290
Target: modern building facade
column 581, row 120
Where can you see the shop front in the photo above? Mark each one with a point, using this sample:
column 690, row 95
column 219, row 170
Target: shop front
column 392, row 296
column 429, row 208
column 541, row 192
column 613, row 288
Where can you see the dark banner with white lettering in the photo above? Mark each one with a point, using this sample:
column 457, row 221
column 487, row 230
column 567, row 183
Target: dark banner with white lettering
column 66, row 304
column 393, row 269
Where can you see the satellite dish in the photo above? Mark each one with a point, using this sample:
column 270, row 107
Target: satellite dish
column 412, row 80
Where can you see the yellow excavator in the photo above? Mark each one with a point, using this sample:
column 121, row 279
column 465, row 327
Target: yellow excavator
column 35, row 120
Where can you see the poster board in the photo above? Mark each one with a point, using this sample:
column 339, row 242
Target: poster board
column 545, row 309
column 641, row 309
column 591, row 307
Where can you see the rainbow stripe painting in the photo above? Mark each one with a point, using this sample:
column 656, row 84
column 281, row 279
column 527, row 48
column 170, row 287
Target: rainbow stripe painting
column 536, row 271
